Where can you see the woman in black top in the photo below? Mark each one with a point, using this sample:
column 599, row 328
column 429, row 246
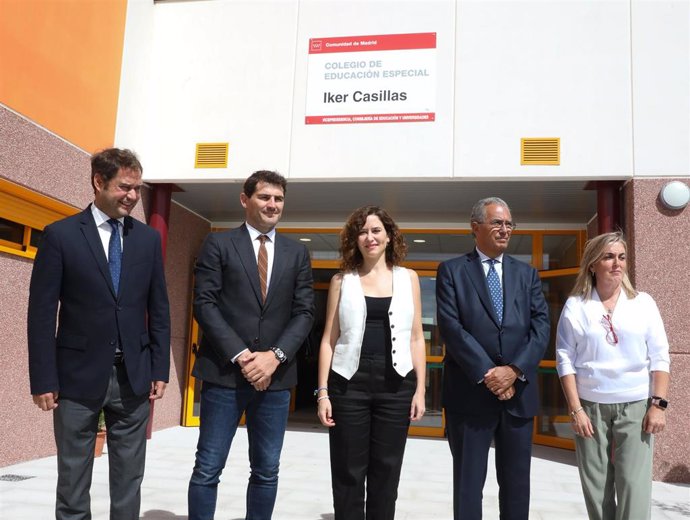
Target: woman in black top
column 371, row 366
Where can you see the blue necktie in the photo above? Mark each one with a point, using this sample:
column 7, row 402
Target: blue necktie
column 495, row 289
column 115, row 253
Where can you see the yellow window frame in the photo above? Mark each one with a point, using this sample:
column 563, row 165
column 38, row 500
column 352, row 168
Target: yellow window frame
column 30, row 209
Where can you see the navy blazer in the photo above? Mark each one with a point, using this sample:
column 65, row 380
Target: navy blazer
column 70, row 273
column 232, row 316
column 475, row 340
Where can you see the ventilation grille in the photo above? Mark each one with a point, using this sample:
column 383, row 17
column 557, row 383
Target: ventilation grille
column 211, row 155
column 540, row 150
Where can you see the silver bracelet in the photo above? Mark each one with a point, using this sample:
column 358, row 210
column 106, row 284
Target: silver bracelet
column 322, row 397
column 575, row 412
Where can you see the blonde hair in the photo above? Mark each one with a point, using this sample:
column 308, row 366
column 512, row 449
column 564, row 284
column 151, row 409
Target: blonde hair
column 594, row 251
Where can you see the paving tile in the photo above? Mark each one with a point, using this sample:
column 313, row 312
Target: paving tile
column 425, row 491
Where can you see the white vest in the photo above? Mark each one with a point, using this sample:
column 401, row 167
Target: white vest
column 352, row 314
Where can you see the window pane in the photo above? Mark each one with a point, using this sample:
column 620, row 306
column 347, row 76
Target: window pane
column 434, row 350
column 553, row 419
column 432, row 336
column 11, row 231
column 560, row 252
column 433, row 417
column 321, row 246
column 437, row 247
column 196, row 407
column 520, row 246
column 556, row 291
column 35, row 237
column 323, row 276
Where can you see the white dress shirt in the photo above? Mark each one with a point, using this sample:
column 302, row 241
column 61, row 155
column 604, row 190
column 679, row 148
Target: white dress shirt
column 498, row 265
column 254, row 234
column 105, row 229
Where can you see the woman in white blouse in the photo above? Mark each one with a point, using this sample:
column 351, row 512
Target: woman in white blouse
column 613, row 361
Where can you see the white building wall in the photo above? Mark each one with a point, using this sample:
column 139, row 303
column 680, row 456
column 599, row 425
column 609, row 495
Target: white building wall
column 610, row 78
column 133, row 127
column 543, row 69
column 661, row 87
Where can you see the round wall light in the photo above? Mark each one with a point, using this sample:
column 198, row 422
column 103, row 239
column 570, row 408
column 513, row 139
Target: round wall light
column 675, row 195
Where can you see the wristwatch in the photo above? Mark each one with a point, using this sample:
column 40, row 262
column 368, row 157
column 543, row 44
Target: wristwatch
column 660, row 402
column 280, row 355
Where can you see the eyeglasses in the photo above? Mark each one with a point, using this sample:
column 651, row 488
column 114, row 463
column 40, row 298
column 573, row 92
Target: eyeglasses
column 498, row 224
column 611, row 337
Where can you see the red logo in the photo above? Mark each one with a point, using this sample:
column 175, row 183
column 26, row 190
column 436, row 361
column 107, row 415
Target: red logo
column 315, row 45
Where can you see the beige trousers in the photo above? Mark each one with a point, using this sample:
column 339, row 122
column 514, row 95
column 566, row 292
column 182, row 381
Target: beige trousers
column 616, row 464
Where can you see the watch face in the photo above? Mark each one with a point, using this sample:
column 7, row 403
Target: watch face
column 661, row 403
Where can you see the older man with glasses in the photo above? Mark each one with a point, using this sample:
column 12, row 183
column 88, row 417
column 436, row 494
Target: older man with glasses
column 494, row 320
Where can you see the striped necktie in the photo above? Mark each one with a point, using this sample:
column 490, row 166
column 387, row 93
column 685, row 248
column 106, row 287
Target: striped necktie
column 263, row 266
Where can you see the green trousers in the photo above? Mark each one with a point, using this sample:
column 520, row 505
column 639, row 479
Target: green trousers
column 616, row 464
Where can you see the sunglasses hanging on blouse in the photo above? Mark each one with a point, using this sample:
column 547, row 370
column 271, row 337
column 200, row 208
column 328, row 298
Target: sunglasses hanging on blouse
column 611, row 337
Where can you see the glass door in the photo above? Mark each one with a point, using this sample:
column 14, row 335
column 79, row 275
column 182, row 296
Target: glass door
column 433, row 423
column 192, row 395
column 557, row 263
column 552, row 425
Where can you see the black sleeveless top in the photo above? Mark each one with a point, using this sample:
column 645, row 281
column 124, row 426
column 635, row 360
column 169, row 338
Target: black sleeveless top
column 377, row 331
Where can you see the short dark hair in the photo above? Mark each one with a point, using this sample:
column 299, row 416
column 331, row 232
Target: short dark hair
column 351, row 257
column 266, row 176
column 108, row 162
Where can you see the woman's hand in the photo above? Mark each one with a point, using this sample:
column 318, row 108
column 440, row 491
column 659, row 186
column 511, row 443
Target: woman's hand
column 654, row 420
column 418, row 406
column 582, row 426
column 325, row 412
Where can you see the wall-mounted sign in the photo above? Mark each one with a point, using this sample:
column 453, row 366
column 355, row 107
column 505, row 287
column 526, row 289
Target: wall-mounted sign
column 389, row 78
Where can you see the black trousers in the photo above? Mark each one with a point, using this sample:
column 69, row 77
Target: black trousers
column 372, row 414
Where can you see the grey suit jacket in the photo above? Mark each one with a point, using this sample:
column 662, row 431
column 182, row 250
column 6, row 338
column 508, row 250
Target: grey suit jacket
column 232, row 317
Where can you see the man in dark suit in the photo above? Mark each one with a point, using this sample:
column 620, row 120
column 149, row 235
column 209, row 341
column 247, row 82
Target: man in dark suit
column 100, row 274
column 494, row 321
column 253, row 299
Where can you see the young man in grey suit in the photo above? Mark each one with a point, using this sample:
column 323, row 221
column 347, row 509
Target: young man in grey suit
column 494, row 320
column 254, row 301
column 103, row 270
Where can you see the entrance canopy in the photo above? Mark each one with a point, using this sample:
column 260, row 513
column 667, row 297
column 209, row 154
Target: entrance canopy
column 432, row 204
